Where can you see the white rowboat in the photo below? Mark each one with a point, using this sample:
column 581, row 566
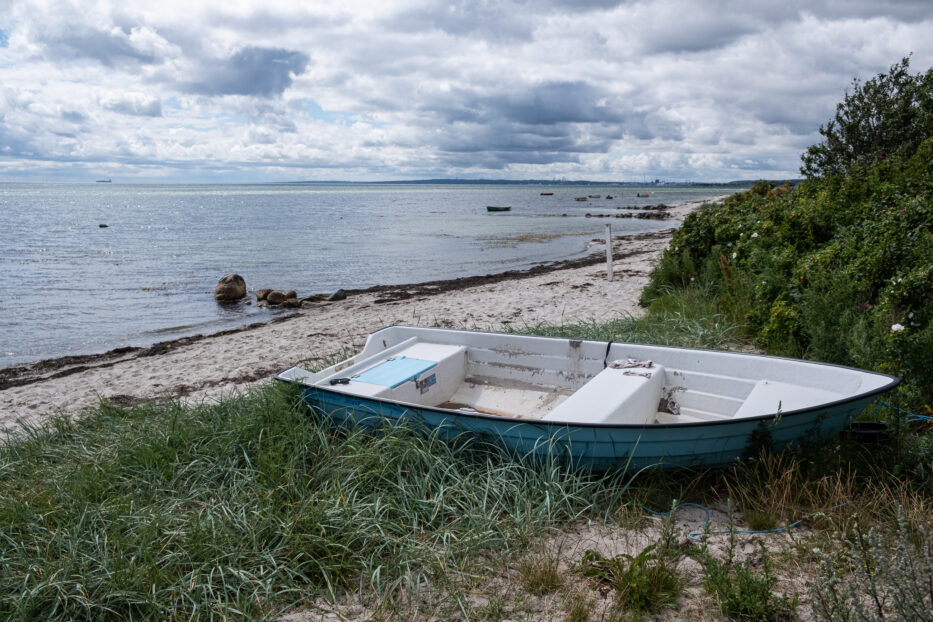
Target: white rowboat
column 602, row 404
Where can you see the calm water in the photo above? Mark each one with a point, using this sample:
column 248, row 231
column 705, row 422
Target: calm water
column 68, row 286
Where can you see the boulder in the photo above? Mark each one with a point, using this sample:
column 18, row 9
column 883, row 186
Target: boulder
column 275, row 297
column 291, row 294
column 338, row 295
column 230, row 288
column 262, row 293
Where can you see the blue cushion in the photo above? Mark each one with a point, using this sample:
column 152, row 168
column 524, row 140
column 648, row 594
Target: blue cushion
column 395, row 371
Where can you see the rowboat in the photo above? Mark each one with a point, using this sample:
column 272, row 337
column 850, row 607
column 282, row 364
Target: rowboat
column 547, row 194
column 642, row 195
column 580, row 199
column 598, row 404
column 498, row 208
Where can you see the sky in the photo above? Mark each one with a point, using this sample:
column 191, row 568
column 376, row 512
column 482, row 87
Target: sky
column 282, row 90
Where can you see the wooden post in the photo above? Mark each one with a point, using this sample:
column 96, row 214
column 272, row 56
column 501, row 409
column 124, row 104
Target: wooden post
column 608, row 252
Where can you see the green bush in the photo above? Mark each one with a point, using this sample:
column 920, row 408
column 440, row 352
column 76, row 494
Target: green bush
column 743, row 593
column 887, row 116
column 838, row 270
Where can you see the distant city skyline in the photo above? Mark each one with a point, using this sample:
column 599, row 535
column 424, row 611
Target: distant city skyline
column 274, row 91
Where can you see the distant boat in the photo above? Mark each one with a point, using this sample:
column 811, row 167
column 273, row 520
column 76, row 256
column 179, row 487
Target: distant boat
column 600, row 404
column 608, row 196
column 103, row 181
column 594, row 196
column 580, row 199
column 498, row 208
column 643, row 196
column 547, row 194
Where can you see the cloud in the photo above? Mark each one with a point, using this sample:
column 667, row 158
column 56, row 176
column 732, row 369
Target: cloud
column 135, row 105
column 413, row 88
column 110, row 47
column 252, row 70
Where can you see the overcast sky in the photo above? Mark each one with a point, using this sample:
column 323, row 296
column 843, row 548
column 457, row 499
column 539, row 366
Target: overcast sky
column 250, row 90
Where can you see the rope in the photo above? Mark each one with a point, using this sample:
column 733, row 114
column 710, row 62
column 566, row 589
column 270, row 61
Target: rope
column 697, row 536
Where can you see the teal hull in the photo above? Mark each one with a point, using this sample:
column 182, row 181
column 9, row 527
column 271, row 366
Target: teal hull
column 594, row 446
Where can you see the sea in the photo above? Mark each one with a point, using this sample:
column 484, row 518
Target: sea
column 85, row 268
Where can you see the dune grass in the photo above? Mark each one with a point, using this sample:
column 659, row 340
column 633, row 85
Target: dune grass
column 239, row 509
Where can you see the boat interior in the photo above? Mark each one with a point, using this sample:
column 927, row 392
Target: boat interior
column 573, row 381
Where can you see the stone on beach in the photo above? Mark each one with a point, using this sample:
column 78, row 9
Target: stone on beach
column 261, row 294
column 230, row 288
column 275, row 297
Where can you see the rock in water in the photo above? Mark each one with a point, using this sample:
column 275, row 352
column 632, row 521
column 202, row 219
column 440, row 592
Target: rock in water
column 262, row 293
column 338, row 295
column 275, row 297
column 230, row 288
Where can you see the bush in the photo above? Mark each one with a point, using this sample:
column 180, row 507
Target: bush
column 884, row 582
column 888, row 116
column 838, row 270
column 742, row 593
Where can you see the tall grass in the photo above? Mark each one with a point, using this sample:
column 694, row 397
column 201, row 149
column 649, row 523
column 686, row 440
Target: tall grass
column 686, row 317
column 242, row 508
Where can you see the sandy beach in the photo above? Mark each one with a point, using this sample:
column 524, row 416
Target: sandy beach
column 209, row 367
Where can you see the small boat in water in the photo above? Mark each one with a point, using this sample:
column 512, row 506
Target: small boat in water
column 104, row 181
column 594, row 196
column 643, row 195
column 580, row 199
column 498, row 208
column 547, row 194
column 599, row 404
column 609, row 196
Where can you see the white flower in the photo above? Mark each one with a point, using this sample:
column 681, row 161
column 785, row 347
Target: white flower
column 729, row 244
column 734, row 255
column 755, row 235
column 910, row 315
column 896, row 328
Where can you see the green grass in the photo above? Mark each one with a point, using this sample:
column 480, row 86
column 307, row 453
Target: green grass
column 236, row 510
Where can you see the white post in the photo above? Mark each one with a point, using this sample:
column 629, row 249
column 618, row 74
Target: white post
column 608, row 252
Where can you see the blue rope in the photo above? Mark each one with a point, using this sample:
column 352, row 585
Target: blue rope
column 696, row 536
column 910, row 416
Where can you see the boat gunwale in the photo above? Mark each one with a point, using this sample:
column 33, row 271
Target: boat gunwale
column 894, row 381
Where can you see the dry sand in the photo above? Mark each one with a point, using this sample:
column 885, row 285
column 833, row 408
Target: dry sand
column 209, row 367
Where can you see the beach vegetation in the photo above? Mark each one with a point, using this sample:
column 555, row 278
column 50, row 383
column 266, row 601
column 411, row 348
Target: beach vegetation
column 645, row 582
column 839, row 270
column 888, row 116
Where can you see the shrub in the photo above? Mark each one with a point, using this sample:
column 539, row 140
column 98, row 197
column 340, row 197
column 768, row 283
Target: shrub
column 838, row 270
column 884, row 582
column 741, row 592
column 887, row 116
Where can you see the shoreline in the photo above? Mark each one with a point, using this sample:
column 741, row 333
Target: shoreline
column 60, row 366
column 206, row 366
